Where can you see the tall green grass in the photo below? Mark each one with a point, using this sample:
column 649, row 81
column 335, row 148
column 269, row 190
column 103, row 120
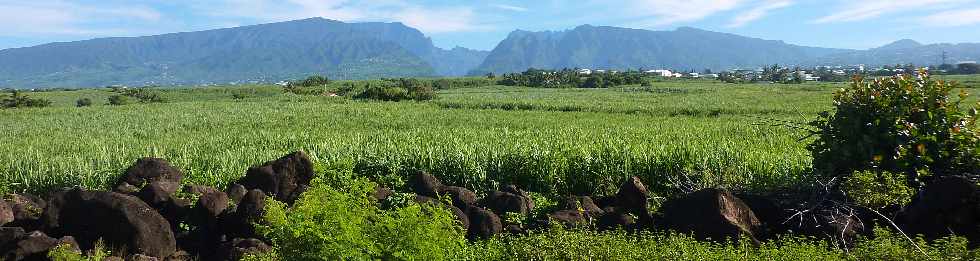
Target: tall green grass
column 216, row 139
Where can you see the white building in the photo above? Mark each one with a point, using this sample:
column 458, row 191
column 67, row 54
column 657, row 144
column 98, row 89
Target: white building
column 585, row 71
column 661, row 73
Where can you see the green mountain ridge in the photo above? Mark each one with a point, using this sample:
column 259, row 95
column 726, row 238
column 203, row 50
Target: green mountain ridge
column 259, row 53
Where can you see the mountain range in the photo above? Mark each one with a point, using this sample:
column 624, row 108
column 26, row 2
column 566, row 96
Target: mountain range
column 290, row 50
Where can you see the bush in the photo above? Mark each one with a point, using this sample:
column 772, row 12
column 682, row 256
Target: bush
column 119, row 100
column 83, row 102
column 337, row 219
column 313, row 81
column 402, row 89
column 878, row 189
column 18, row 100
column 66, row 252
column 900, row 124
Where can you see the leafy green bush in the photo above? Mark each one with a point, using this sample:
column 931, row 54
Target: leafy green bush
column 312, row 81
column 902, row 124
column 119, row 100
column 66, row 252
column 18, row 100
column 83, row 102
column 878, row 189
column 337, row 219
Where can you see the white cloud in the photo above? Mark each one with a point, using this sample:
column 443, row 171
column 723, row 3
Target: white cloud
column 665, row 12
column 758, row 12
column 953, row 18
column 510, row 7
column 860, row 10
column 67, row 18
column 428, row 19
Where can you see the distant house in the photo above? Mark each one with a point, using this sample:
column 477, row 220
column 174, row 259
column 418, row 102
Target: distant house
column 678, row 75
column 694, row 75
column 710, row 75
column 585, row 71
column 661, row 73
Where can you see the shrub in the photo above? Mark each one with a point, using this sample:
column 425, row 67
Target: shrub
column 18, row 100
column 901, row 124
column 119, row 100
column 66, row 252
column 337, row 219
column 144, row 96
column 313, row 81
column 83, row 102
column 878, row 189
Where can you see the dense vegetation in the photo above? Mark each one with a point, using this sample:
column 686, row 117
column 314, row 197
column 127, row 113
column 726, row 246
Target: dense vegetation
column 568, row 78
column 674, row 135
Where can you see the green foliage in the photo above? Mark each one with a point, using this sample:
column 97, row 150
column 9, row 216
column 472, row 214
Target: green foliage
column 19, row 100
column 560, row 244
column 901, row 124
column 66, row 252
column 83, row 102
column 398, row 90
column 313, row 81
column 119, row 100
column 337, row 219
column 568, row 78
column 878, row 189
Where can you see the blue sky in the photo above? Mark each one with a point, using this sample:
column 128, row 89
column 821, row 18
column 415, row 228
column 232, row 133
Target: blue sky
column 858, row 24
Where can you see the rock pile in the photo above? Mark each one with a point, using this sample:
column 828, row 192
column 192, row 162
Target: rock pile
column 150, row 216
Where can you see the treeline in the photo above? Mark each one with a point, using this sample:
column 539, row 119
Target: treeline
column 569, row 78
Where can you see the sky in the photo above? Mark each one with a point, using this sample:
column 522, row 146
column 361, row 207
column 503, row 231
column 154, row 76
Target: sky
column 855, row 24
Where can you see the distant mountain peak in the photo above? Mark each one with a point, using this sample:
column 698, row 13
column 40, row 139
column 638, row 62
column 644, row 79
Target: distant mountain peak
column 900, row 44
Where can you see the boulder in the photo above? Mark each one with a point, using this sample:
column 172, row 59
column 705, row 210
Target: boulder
column 33, row 246
column 461, row 216
column 839, row 226
column 770, row 214
column 240, row 247
column 424, row 184
column 199, row 190
column 6, row 213
column 175, row 211
column 236, row 192
column 285, row 178
column 583, row 203
column 158, row 192
column 570, row 218
column 210, row 205
column 249, row 210
column 118, row 219
column 613, row 219
column 126, row 188
column 142, row 257
column 381, row 193
column 461, row 197
column 9, row 235
column 946, row 206
column 148, row 170
column 714, row 214
column 508, row 200
column 632, row 198
column 483, row 224
column 180, row 256
column 27, row 211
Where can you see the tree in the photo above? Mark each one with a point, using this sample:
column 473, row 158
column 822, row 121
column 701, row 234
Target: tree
column 119, row 100
column 968, row 68
column 18, row 100
column 83, row 102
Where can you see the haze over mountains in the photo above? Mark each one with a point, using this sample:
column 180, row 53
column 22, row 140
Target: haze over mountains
column 295, row 49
